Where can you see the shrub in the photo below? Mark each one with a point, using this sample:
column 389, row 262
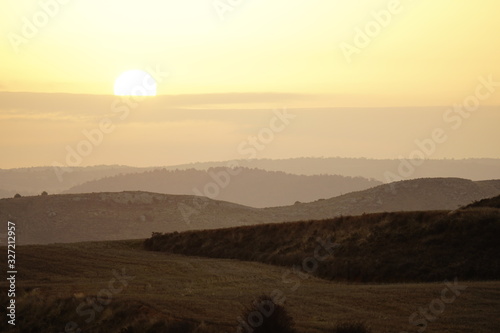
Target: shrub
column 266, row 316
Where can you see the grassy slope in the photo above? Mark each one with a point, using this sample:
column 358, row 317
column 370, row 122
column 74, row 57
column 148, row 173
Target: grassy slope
column 173, row 287
column 410, row 195
column 113, row 216
column 129, row 215
column 383, row 247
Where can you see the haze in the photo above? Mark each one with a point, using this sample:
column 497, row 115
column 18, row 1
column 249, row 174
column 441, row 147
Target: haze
column 222, row 75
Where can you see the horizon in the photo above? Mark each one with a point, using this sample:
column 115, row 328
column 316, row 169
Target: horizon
column 187, row 166
column 257, row 160
column 153, row 136
column 182, row 82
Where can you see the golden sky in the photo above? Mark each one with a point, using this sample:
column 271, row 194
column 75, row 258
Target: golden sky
column 254, row 54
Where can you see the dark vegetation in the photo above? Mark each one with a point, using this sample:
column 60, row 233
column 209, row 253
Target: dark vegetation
column 382, row 247
column 266, row 315
column 491, row 202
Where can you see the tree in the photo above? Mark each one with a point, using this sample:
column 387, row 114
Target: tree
column 17, row 195
column 44, row 193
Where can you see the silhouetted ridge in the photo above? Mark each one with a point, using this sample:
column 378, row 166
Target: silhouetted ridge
column 492, row 203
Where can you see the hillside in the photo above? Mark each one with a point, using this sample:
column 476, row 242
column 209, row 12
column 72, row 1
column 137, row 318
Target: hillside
column 113, row 216
column 490, row 202
column 132, row 215
column 411, row 195
column 173, row 293
column 249, row 187
column 383, row 247
column 33, row 181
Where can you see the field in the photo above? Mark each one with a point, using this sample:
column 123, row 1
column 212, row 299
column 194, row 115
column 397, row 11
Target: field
column 54, row 280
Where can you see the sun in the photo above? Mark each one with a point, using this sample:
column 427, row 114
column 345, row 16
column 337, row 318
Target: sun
column 135, row 83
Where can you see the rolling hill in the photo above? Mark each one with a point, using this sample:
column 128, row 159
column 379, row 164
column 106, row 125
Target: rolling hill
column 490, row 202
column 33, row 181
column 249, row 187
column 472, row 168
column 132, row 215
column 410, row 195
column 114, row 216
column 382, row 247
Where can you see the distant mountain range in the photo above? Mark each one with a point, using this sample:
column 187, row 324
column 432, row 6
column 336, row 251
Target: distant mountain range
column 473, row 168
column 33, row 181
column 250, row 187
column 133, row 215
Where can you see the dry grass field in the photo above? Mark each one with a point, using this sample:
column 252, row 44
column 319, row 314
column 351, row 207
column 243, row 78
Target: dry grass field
column 55, row 282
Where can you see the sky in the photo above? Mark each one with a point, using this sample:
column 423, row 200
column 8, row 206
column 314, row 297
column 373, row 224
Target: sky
column 359, row 78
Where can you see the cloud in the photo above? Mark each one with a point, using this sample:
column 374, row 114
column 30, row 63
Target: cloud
column 78, row 107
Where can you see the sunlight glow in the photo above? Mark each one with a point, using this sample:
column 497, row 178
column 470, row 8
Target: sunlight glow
column 135, row 83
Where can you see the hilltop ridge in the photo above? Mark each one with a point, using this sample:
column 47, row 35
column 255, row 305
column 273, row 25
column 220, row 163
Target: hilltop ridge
column 135, row 214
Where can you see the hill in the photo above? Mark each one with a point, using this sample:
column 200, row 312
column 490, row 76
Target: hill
column 249, row 187
column 33, row 181
column 411, row 195
column 491, row 202
column 113, row 216
column 383, row 247
column 164, row 292
column 131, row 215
column 472, row 168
